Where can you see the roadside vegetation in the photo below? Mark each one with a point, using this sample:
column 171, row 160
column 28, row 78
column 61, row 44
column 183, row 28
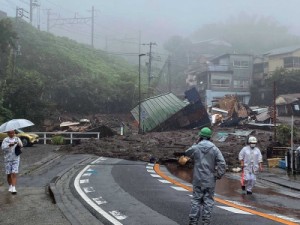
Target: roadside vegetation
column 42, row 74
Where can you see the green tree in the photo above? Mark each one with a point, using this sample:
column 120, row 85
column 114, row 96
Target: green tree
column 7, row 43
column 286, row 81
column 23, row 96
column 248, row 34
column 284, row 133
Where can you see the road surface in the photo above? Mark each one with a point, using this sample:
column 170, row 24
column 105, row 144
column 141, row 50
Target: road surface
column 134, row 193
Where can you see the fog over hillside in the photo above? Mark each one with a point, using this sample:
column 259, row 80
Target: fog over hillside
column 120, row 26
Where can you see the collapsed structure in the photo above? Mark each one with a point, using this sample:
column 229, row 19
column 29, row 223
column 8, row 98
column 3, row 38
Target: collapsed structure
column 167, row 112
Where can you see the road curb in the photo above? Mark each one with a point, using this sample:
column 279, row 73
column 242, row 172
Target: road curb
column 284, row 183
column 57, row 197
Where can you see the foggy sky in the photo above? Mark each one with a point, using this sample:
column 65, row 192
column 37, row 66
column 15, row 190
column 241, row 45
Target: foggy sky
column 156, row 19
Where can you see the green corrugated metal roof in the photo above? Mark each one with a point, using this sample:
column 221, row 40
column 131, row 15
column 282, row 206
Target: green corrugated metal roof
column 157, row 109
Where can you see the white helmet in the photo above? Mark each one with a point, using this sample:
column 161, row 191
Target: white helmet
column 252, row 140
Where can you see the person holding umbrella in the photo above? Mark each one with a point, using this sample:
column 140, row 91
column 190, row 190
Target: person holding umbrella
column 11, row 159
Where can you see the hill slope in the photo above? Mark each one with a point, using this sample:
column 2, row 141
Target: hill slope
column 58, row 74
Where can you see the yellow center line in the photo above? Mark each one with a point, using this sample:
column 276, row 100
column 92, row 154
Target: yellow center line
column 264, row 215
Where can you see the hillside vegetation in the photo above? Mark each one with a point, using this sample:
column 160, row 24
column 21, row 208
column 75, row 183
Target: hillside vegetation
column 54, row 74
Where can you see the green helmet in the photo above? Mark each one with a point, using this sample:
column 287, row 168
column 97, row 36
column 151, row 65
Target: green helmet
column 205, row 132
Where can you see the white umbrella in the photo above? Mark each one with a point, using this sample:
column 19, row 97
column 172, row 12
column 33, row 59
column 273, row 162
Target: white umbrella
column 15, row 124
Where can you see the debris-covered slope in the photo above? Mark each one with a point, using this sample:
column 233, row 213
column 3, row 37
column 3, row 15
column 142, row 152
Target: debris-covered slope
column 163, row 145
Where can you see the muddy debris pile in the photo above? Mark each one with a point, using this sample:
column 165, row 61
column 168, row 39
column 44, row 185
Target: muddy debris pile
column 161, row 146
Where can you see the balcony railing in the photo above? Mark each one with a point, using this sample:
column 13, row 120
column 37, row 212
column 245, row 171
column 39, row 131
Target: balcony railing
column 218, row 68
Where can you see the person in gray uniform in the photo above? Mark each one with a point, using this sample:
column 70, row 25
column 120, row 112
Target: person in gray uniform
column 209, row 165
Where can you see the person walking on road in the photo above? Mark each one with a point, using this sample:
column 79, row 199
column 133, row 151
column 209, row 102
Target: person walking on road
column 11, row 160
column 209, row 165
column 251, row 163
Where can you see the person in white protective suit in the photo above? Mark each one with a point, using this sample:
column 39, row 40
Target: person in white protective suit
column 251, row 162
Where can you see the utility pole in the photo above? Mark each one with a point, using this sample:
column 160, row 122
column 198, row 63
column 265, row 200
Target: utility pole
column 34, row 4
column 274, row 110
column 16, row 52
column 30, row 11
column 140, row 111
column 169, row 74
column 149, row 65
column 20, row 13
column 92, row 35
column 140, row 38
column 48, row 19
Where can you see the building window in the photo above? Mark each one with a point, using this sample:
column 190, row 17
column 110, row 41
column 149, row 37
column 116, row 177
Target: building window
column 258, row 68
column 291, row 62
column 220, row 83
column 240, row 64
column 241, row 84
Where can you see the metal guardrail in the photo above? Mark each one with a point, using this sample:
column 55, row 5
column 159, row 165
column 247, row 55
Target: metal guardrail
column 67, row 135
column 279, row 151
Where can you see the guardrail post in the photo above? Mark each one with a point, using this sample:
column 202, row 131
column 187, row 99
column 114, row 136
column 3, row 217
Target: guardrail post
column 71, row 138
column 45, row 138
column 98, row 135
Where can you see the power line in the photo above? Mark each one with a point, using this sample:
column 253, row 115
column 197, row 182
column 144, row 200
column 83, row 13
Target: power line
column 75, row 20
column 58, row 6
column 25, row 2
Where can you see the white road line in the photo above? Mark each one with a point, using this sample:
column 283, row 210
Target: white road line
column 150, row 164
column 164, row 181
column 90, row 202
column 91, row 170
column 98, row 160
column 86, row 174
column 239, row 203
column 234, row 210
column 149, row 167
column 88, row 189
column 99, row 200
column 155, row 175
column 178, row 188
column 118, row 215
column 151, row 171
column 85, row 181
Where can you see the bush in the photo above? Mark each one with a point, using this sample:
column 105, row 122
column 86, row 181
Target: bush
column 58, row 140
column 284, row 134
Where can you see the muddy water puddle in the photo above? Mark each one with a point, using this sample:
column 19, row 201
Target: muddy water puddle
column 265, row 199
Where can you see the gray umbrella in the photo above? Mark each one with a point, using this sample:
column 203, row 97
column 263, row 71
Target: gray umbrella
column 15, row 124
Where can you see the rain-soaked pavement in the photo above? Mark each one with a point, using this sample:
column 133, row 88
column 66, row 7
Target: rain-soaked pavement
column 266, row 198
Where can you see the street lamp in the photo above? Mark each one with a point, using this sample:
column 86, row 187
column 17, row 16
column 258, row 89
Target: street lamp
column 140, row 129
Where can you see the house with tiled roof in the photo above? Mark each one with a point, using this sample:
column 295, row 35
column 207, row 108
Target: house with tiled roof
column 264, row 66
column 287, row 58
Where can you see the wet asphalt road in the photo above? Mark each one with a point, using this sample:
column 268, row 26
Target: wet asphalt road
column 130, row 193
column 267, row 197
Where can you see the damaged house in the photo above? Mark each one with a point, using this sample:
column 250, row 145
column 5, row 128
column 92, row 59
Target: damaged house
column 167, row 112
column 288, row 104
